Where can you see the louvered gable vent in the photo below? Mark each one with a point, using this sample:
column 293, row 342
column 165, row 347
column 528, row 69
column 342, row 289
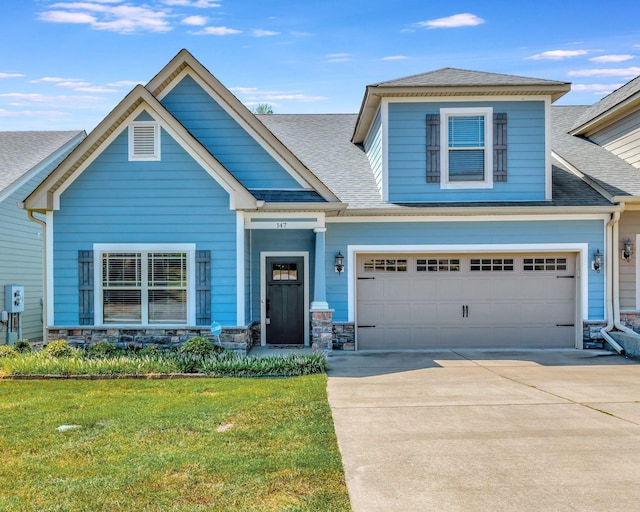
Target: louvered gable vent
column 144, row 141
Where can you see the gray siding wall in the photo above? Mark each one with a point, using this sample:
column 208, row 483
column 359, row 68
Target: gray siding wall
column 622, row 138
column 21, row 259
column 629, row 227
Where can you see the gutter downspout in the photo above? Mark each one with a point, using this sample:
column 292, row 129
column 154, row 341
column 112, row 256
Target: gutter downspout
column 43, row 224
column 611, row 234
column 616, row 296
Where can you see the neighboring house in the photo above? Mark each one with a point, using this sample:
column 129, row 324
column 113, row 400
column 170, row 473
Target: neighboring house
column 602, row 144
column 26, row 158
column 438, row 216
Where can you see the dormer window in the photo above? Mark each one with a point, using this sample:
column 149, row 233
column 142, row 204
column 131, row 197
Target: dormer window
column 466, row 148
column 466, row 137
column 144, row 141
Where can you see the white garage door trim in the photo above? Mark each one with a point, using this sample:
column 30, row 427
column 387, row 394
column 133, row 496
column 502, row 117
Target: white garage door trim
column 582, row 262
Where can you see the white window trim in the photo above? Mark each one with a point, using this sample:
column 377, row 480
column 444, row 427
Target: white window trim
column 445, row 113
column 156, row 142
column 100, row 249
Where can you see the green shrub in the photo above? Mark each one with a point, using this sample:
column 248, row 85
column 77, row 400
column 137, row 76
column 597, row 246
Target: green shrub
column 59, row 348
column 101, row 350
column 7, row 351
column 150, row 350
column 23, row 346
column 200, row 346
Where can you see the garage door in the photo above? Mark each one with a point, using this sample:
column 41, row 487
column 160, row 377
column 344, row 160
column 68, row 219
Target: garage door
column 483, row 301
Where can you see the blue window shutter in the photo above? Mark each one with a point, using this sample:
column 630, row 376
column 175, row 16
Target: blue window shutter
column 85, row 287
column 500, row 147
column 203, row 287
column 433, row 148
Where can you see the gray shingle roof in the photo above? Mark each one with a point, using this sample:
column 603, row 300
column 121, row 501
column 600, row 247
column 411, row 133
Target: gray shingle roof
column 22, row 151
column 608, row 171
column 453, row 77
column 322, row 142
column 608, row 102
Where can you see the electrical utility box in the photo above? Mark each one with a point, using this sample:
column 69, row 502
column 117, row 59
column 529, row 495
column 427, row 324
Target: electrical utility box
column 14, row 298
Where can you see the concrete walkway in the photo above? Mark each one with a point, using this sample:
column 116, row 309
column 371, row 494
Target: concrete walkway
column 472, row 430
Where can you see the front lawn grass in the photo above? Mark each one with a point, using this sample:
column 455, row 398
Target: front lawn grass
column 169, row 445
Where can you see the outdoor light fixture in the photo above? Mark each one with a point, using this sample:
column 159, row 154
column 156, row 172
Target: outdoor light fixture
column 627, row 250
column 339, row 262
column 596, row 264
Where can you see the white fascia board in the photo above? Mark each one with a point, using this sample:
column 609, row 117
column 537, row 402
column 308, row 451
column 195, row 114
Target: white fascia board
column 582, row 249
column 238, row 119
column 468, row 218
column 464, row 99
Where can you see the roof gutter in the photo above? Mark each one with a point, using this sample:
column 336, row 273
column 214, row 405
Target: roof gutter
column 446, row 211
column 613, row 284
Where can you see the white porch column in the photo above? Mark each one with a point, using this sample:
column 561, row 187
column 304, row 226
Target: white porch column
column 319, row 302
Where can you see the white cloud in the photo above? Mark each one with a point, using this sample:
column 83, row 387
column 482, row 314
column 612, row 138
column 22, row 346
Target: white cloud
column 395, row 57
column 122, row 18
column 596, row 88
column 253, row 95
column 54, row 80
column 10, row 75
column 201, row 4
column 219, row 31
column 457, row 20
column 39, row 114
column 195, row 20
column 26, row 98
column 612, row 58
column 124, row 83
column 558, row 54
column 339, row 57
column 264, row 33
column 621, row 72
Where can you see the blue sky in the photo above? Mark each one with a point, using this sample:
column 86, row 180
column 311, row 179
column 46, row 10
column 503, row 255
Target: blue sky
column 66, row 64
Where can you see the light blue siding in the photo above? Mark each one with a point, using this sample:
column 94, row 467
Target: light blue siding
column 525, row 154
column 266, row 240
column 340, row 235
column 373, row 149
column 169, row 201
column 225, row 138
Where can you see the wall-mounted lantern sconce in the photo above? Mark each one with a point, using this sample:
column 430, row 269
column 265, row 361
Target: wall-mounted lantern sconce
column 339, row 262
column 627, row 249
column 596, row 264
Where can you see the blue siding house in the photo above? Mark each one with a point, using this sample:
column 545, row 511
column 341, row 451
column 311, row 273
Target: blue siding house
column 440, row 215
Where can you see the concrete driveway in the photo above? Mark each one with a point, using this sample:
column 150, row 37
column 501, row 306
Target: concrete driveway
column 469, row 430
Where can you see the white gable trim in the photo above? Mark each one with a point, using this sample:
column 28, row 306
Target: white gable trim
column 247, row 127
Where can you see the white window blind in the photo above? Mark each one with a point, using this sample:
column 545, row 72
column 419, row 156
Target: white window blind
column 144, row 288
column 466, row 139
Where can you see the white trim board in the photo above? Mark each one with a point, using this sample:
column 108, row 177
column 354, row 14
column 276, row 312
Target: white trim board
column 467, row 218
column 263, row 291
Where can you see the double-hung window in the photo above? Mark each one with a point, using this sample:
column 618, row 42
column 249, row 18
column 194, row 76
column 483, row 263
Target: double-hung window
column 466, row 141
column 145, row 287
